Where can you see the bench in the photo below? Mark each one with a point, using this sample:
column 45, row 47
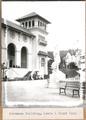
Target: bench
column 62, row 87
column 73, row 86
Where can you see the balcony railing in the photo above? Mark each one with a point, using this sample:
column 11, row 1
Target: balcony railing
column 42, row 42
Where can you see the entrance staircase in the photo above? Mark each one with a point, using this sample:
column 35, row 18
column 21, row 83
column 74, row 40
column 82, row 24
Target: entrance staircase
column 27, row 76
column 17, row 73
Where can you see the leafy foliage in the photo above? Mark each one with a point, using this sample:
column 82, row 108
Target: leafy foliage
column 72, row 65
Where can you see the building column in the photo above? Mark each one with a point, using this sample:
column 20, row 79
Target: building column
column 5, row 60
column 29, row 61
column 27, row 24
column 18, row 58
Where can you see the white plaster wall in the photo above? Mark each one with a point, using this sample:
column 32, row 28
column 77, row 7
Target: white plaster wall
column 3, row 46
column 38, row 47
column 3, row 42
column 32, row 46
column 34, row 53
column 12, row 39
column 19, row 42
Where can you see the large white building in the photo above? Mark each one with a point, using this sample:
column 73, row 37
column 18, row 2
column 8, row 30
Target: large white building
column 24, row 46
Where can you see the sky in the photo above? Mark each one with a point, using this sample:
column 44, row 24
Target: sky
column 67, row 28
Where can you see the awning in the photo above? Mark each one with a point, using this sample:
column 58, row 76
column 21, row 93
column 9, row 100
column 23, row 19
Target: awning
column 42, row 53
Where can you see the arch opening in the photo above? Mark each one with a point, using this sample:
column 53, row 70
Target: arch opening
column 11, row 55
column 24, row 57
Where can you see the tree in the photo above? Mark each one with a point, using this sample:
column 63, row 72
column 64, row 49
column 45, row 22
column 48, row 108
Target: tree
column 72, row 65
column 62, row 64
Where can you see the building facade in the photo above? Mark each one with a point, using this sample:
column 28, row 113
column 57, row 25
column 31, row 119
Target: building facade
column 24, row 46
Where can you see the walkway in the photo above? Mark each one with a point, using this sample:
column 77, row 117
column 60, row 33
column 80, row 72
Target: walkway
column 35, row 92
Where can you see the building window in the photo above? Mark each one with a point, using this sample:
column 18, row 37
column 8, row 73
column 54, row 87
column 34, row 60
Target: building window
column 29, row 23
column 22, row 24
column 42, row 62
column 38, row 23
column 41, row 37
column 11, row 54
column 33, row 23
column 24, row 57
column 26, row 24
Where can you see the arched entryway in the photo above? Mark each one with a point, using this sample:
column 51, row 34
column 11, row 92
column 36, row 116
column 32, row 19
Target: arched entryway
column 24, row 57
column 11, row 55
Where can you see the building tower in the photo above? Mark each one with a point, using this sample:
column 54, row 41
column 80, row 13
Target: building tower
column 37, row 25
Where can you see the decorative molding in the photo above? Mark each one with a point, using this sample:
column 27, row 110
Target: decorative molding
column 12, row 33
column 24, row 38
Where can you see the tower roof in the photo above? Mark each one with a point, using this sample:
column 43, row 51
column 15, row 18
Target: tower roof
column 32, row 15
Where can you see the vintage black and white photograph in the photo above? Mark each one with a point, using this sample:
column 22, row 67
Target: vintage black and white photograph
column 43, row 54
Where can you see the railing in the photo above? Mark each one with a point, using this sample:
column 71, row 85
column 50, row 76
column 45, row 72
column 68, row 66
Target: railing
column 42, row 42
column 16, row 72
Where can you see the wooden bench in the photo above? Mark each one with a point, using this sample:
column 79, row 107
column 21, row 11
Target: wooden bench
column 73, row 86
column 62, row 87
